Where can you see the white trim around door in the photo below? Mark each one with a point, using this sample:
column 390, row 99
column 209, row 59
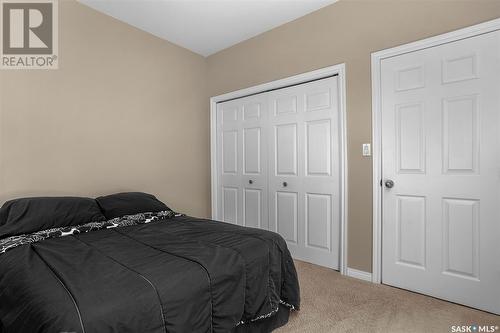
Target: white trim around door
column 376, row 60
column 338, row 70
column 357, row 274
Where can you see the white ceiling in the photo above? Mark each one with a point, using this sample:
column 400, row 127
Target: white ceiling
column 206, row 26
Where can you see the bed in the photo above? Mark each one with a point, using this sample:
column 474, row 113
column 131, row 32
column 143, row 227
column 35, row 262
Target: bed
column 127, row 263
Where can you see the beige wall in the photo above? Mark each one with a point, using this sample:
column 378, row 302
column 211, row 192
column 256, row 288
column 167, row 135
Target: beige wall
column 125, row 111
column 347, row 31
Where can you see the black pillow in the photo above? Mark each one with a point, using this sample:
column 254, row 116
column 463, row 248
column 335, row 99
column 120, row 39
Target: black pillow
column 27, row 215
column 129, row 203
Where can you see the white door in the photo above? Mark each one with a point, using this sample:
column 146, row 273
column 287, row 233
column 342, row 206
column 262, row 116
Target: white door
column 279, row 166
column 304, row 170
column 441, row 149
column 242, row 161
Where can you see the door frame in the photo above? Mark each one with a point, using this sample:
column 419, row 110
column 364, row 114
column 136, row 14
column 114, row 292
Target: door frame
column 338, row 70
column 376, row 60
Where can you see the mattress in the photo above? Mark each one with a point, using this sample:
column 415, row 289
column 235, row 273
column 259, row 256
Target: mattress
column 175, row 274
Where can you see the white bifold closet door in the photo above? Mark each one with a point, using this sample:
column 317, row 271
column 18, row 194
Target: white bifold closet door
column 242, row 161
column 441, row 150
column 279, row 166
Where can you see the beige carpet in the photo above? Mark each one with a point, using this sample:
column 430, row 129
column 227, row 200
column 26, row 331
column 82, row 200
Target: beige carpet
column 335, row 303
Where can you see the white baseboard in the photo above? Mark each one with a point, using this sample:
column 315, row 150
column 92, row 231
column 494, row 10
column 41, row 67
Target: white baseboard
column 359, row 274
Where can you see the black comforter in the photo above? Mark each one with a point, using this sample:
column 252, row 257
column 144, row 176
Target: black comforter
column 179, row 275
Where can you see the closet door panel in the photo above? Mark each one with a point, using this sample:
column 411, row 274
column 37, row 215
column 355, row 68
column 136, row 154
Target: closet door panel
column 285, row 138
column 279, row 166
column 229, row 162
column 304, row 177
column 242, row 161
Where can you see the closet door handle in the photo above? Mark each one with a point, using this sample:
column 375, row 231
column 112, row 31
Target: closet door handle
column 250, row 181
column 285, row 184
column 389, row 183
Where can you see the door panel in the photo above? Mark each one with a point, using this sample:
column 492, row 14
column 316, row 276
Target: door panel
column 460, row 237
column 440, row 141
column 241, row 138
column 252, row 216
column 251, row 153
column 230, row 152
column 305, row 175
column 230, row 204
column 460, row 134
column 284, row 105
column 411, row 230
column 287, row 215
column 410, row 140
column 251, row 111
column 318, row 148
column 318, row 221
column 286, row 149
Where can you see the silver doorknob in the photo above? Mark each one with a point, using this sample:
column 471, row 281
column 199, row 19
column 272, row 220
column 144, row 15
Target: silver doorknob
column 285, row 184
column 250, row 181
column 389, row 183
